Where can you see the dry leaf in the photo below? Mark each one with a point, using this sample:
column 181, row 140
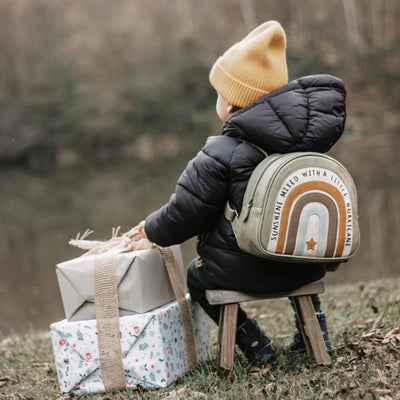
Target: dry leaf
column 177, row 394
column 367, row 335
column 378, row 322
column 270, row 388
column 5, row 380
column 39, row 364
column 22, row 397
column 266, row 369
column 392, row 336
column 391, row 363
column 199, row 395
column 172, row 395
column 186, row 390
column 380, row 392
column 183, row 394
column 67, row 396
column 223, row 373
column 382, row 377
column 261, row 372
column 379, row 337
column 384, row 393
column 355, row 384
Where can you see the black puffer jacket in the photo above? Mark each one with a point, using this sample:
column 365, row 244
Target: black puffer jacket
column 307, row 114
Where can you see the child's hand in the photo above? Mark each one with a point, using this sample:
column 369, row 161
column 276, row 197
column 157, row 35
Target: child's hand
column 141, row 228
column 333, row 267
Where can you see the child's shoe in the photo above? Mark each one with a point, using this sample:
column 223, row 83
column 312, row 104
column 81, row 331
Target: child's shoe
column 298, row 344
column 253, row 341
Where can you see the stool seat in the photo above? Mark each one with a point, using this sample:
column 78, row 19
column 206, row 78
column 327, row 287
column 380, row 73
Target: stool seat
column 229, row 301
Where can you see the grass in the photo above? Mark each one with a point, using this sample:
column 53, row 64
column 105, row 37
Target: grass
column 362, row 320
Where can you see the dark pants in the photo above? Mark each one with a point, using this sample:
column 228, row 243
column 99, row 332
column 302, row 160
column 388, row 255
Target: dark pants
column 198, row 284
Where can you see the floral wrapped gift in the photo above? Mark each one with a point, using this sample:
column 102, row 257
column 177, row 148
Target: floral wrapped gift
column 152, row 346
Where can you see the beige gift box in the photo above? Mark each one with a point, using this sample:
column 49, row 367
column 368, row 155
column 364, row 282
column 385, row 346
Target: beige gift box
column 142, row 280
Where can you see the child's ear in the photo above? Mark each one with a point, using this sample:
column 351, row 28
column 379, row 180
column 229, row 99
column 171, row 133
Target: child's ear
column 230, row 108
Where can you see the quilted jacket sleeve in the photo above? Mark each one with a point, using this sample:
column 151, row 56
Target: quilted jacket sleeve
column 199, row 198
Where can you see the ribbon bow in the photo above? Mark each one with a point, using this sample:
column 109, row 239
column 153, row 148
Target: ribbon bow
column 129, row 241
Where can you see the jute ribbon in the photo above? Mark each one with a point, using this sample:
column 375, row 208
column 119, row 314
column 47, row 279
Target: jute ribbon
column 106, row 299
column 107, row 316
column 188, row 334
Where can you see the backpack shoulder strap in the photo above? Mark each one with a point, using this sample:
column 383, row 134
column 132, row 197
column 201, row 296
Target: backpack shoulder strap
column 254, row 145
column 230, row 212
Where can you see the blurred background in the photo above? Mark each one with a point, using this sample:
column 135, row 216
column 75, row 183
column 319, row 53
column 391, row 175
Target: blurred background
column 103, row 103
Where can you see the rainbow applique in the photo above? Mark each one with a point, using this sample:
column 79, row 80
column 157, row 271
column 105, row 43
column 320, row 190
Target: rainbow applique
column 315, row 216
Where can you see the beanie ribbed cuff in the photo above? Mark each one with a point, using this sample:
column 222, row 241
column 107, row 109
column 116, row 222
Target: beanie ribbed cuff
column 235, row 92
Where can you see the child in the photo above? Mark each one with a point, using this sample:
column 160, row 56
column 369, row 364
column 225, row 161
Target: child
column 258, row 106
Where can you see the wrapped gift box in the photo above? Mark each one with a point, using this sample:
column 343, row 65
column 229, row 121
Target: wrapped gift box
column 152, row 345
column 142, row 280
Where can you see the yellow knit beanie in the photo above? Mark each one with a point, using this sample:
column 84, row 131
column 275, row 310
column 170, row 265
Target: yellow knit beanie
column 252, row 67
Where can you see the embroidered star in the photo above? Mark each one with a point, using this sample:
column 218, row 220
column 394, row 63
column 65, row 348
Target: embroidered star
column 311, row 244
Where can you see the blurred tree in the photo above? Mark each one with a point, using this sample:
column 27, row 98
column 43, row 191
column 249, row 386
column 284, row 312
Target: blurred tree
column 94, row 80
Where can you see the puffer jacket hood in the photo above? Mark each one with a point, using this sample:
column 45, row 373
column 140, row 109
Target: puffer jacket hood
column 307, row 114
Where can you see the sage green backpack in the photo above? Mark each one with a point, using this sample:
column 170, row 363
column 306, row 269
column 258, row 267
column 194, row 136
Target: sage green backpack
column 298, row 207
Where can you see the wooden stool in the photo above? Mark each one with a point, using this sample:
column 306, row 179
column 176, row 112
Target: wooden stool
column 309, row 325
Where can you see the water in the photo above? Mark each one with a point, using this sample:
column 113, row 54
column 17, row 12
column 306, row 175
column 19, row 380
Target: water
column 39, row 213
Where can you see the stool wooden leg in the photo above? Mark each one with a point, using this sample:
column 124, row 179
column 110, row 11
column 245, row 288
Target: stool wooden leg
column 311, row 330
column 227, row 335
